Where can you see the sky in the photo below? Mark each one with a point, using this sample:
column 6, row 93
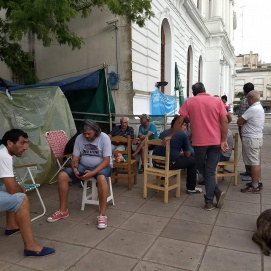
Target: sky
column 253, row 32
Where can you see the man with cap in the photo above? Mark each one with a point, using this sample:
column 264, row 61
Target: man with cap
column 91, row 158
column 146, row 130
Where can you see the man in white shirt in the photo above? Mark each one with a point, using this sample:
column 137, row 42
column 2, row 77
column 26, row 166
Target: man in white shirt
column 252, row 122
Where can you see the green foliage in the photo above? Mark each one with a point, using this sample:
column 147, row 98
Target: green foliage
column 240, row 95
column 48, row 20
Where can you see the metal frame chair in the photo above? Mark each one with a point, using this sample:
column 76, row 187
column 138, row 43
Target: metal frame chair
column 158, row 173
column 58, row 140
column 221, row 170
column 28, row 182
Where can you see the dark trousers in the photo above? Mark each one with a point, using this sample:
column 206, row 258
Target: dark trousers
column 207, row 158
column 190, row 164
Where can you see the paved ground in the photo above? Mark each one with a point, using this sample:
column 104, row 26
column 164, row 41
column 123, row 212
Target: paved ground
column 148, row 234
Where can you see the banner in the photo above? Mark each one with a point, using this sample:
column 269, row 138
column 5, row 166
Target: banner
column 178, row 85
column 162, row 104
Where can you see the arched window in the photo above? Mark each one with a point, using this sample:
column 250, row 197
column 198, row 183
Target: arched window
column 163, row 45
column 189, row 67
column 200, row 70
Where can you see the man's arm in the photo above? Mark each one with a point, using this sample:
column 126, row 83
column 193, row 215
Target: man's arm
column 175, row 128
column 75, row 164
column 12, row 186
column 241, row 121
column 224, row 131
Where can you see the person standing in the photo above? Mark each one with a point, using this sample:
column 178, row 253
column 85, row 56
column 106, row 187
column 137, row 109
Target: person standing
column 252, row 123
column 13, row 199
column 209, row 126
column 243, row 107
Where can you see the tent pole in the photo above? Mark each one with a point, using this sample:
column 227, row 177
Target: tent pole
column 109, row 109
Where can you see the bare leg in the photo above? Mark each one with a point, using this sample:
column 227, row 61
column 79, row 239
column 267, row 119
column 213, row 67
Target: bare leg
column 138, row 149
column 63, row 190
column 142, row 155
column 255, row 173
column 23, row 221
column 11, row 221
column 102, row 193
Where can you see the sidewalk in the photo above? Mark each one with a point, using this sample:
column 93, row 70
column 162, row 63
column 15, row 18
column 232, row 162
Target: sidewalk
column 146, row 234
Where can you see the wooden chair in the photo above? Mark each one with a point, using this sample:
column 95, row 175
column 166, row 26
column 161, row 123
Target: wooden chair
column 28, row 182
column 222, row 171
column 124, row 170
column 160, row 172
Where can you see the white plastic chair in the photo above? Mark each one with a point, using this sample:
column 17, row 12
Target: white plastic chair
column 90, row 196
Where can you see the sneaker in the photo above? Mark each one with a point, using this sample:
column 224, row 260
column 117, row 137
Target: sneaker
column 244, row 174
column 251, row 189
column 220, row 195
column 141, row 170
column 194, row 191
column 209, row 206
column 57, row 215
column 102, row 221
column 260, row 184
column 247, row 179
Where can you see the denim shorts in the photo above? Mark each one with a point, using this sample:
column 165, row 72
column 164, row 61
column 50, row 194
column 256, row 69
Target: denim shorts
column 81, row 168
column 10, row 202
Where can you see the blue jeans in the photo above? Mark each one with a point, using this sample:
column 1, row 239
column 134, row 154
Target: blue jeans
column 207, row 158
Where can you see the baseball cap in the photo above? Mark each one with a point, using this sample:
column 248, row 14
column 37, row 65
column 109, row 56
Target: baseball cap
column 144, row 116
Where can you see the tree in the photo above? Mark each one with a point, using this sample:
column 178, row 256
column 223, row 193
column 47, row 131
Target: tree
column 49, row 20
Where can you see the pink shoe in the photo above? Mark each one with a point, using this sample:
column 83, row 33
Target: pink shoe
column 57, row 215
column 102, row 221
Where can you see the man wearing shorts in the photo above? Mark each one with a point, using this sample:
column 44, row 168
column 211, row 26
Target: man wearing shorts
column 91, row 158
column 13, row 199
column 252, row 122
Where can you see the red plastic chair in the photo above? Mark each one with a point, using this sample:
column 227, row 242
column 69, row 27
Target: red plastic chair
column 58, row 140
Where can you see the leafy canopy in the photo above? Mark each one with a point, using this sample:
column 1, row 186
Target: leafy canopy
column 49, row 20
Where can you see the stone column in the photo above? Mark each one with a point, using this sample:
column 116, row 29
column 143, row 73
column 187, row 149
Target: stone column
column 231, row 21
column 217, row 9
column 205, row 9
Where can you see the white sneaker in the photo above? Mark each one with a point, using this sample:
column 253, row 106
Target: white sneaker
column 196, row 190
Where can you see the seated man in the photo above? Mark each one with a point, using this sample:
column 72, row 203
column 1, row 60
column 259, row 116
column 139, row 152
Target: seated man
column 146, row 130
column 122, row 130
column 180, row 157
column 13, row 199
column 91, row 158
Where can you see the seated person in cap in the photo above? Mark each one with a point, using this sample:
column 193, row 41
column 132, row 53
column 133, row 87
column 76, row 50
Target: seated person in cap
column 13, row 199
column 91, row 158
column 121, row 130
column 146, row 130
column 180, row 157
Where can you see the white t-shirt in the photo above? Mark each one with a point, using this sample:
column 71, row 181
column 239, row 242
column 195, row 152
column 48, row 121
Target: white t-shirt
column 254, row 116
column 6, row 164
column 92, row 153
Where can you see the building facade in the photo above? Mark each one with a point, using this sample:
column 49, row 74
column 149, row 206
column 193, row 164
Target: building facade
column 197, row 34
column 249, row 69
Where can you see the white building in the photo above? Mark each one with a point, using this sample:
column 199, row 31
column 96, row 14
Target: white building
column 197, row 34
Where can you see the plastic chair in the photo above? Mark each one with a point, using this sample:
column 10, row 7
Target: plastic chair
column 92, row 196
column 124, row 170
column 28, row 182
column 58, row 140
column 221, row 171
column 158, row 172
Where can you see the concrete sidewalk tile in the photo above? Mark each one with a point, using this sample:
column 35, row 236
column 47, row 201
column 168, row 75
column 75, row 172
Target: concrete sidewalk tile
column 127, row 204
column 127, row 243
column 196, row 200
column 267, row 263
column 266, row 199
column 243, row 197
column 187, row 231
column 159, row 208
column 104, row 261
column 225, row 260
column 18, row 268
column 196, row 214
column 5, row 266
column 175, row 253
column 66, row 255
column 237, row 221
column 137, row 193
column 146, row 266
column 145, row 223
column 159, row 196
column 84, row 234
column 234, row 239
column 241, row 207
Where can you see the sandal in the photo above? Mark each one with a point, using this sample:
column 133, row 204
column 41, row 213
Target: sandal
column 251, row 189
column 260, row 184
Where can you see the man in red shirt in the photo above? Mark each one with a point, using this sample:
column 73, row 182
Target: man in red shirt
column 209, row 126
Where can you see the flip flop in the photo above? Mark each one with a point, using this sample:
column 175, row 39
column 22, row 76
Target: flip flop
column 10, row 232
column 44, row 252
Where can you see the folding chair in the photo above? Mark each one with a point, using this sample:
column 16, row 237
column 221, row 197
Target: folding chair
column 90, row 196
column 58, row 140
column 166, row 173
column 29, row 183
column 221, row 170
